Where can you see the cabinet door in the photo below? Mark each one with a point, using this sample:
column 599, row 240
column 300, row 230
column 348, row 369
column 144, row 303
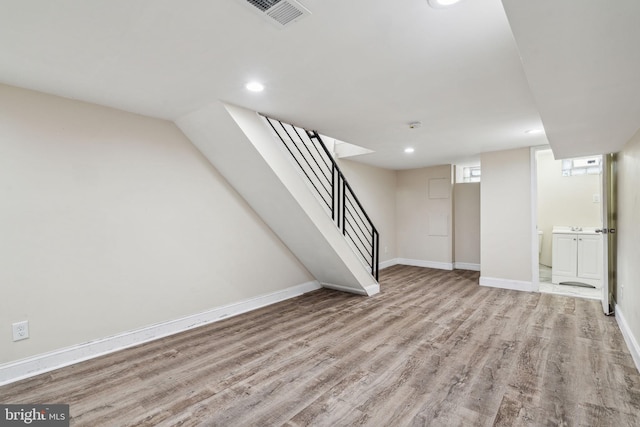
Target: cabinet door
column 590, row 257
column 565, row 254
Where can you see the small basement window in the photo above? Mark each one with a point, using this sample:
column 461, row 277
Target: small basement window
column 582, row 166
column 471, row 174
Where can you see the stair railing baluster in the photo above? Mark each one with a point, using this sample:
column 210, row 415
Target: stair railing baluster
column 343, row 203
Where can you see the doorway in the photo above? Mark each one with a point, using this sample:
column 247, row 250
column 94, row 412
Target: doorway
column 569, row 221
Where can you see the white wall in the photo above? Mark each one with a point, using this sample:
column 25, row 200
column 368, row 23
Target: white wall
column 562, row 200
column 628, row 272
column 467, row 224
column 376, row 189
column 112, row 221
column 506, row 230
column 424, row 216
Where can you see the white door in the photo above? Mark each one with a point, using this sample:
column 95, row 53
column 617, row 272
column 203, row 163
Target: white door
column 609, row 196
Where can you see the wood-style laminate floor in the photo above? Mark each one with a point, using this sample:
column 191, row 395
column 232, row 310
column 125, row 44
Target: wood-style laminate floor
column 432, row 349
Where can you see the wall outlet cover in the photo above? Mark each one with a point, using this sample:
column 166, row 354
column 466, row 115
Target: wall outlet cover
column 20, row 330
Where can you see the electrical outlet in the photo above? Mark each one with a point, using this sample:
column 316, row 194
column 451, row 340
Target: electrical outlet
column 20, row 330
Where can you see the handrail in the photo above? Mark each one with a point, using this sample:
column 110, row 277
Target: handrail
column 317, row 165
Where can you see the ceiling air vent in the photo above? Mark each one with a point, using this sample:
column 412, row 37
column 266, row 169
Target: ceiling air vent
column 279, row 12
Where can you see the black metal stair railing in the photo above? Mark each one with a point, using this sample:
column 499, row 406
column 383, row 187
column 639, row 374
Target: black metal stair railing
column 324, row 175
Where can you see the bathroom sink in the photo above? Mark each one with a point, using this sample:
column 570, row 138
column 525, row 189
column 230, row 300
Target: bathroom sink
column 562, row 229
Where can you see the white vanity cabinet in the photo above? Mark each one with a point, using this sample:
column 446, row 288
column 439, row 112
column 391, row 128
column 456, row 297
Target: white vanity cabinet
column 577, row 256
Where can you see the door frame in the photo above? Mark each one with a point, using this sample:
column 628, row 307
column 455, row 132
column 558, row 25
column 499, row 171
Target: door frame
column 535, row 257
column 608, row 202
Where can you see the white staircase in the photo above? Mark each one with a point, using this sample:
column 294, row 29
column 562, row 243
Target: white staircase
column 242, row 146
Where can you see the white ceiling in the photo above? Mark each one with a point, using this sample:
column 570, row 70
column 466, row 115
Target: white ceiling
column 357, row 70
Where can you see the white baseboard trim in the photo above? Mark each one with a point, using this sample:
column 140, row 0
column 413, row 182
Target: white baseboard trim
column 634, row 347
column 428, row 264
column 466, row 266
column 388, row 263
column 372, row 289
column 345, row 289
column 25, row 368
column 516, row 285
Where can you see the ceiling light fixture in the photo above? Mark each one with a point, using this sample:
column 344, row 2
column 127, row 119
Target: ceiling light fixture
column 534, row 131
column 439, row 4
column 255, row 86
column 409, row 150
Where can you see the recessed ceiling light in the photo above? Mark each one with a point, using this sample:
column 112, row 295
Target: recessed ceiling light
column 442, row 3
column 255, row 86
column 534, row 131
column 409, row 150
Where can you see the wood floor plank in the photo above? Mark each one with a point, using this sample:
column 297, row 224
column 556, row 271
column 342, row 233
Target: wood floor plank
column 330, row 408
column 433, row 348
